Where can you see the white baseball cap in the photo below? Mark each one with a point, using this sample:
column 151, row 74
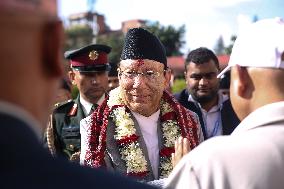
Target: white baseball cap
column 261, row 45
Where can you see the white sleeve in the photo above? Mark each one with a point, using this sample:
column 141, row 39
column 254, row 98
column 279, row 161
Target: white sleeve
column 83, row 132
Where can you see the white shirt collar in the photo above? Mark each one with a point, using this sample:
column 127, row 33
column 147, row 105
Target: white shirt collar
column 153, row 118
column 20, row 113
column 87, row 105
column 264, row 115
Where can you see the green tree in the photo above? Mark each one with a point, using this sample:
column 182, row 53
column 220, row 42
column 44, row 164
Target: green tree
column 115, row 41
column 219, row 47
column 171, row 37
column 78, row 36
column 228, row 49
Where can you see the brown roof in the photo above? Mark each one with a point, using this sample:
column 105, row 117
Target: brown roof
column 176, row 63
column 223, row 60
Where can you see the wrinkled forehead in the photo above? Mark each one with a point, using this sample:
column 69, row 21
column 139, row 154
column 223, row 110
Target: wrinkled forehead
column 140, row 64
column 48, row 7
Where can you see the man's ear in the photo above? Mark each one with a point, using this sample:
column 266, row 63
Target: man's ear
column 71, row 76
column 52, row 48
column 185, row 77
column 243, row 85
column 168, row 76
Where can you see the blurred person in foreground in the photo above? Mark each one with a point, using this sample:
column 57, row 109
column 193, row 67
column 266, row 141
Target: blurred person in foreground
column 63, row 93
column 31, row 38
column 134, row 130
column 252, row 157
column 89, row 72
column 202, row 95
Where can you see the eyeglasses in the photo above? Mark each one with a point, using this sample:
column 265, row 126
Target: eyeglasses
column 150, row 75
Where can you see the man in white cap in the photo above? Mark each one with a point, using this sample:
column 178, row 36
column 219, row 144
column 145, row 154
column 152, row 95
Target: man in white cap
column 253, row 156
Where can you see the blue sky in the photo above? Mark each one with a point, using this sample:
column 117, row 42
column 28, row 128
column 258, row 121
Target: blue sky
column 205, row 20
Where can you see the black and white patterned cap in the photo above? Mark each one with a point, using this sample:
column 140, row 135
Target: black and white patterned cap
column 141, row 44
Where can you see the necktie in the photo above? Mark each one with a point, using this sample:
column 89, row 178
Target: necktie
column 94, row 107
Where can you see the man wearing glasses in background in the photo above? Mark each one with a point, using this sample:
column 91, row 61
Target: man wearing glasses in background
column 134, row 130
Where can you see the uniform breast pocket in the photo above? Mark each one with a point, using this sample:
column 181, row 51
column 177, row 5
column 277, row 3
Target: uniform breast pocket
column 71, row 137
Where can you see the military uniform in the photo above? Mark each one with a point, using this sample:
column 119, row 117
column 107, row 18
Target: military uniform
column 66, row 127
column 63, row 132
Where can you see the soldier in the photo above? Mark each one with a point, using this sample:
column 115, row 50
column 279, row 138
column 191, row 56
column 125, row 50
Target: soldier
column 89, row 72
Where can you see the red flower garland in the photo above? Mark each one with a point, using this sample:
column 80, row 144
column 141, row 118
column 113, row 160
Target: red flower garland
column 97, row 138
column 127, row 140
column 167, row 151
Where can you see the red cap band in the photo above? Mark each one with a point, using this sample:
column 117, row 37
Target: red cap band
column 91, row 59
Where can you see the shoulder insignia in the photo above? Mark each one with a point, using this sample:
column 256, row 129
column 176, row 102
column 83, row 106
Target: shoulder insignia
column 58, row 107
column 62, row 103
column 73, row 110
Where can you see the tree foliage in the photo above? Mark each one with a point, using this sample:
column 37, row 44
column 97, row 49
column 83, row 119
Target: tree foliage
column 228, row 49
column 171, row 37
column 81, row 35
column 115, row 41
column 78, row 36
column 219, row 47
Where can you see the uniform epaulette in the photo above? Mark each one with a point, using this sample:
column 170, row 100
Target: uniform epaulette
column 73, row 110
column 61, row 105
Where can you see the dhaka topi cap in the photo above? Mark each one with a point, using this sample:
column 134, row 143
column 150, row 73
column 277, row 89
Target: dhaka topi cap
column 91, row 58
column 141, row 44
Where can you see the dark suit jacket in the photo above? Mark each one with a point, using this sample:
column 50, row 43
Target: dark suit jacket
column 25, row 164
column 229, row 118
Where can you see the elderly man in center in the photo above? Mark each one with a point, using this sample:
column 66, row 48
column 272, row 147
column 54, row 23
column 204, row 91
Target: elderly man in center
column 134, row 130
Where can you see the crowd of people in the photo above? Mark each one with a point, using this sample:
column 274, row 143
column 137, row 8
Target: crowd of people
column 125, row 129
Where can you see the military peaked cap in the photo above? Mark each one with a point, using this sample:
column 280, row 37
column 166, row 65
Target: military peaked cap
column 90, row 58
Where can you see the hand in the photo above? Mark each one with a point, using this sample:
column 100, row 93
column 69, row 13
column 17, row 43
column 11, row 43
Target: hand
column 182, row 147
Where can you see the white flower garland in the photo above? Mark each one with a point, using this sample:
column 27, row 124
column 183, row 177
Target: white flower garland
column 171, row 132
column 123, row 122
column 132, row 153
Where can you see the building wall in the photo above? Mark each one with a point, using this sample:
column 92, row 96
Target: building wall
column 126, row 25
column 87, row 18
